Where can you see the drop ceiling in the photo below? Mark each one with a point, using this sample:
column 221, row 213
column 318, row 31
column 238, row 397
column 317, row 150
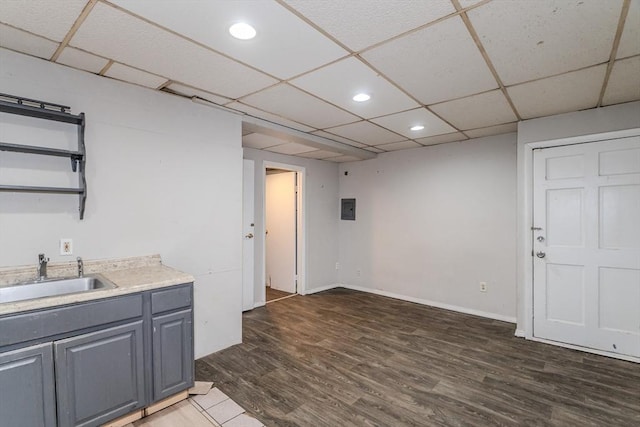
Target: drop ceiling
column 460, row 68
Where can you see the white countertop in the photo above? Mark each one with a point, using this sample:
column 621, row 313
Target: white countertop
column 128, row 274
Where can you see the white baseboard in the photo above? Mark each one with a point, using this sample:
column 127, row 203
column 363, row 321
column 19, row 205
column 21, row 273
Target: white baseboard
column 322, row 288
column 459, row 309
column 259, row 304
column 520, row 333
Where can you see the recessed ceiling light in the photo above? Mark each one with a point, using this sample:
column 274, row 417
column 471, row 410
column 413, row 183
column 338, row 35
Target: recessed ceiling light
column 417, row 127
column 242, row 31
column 361, row 97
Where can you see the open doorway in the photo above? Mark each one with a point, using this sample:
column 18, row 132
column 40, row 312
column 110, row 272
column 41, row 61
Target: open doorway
column 281, row 231
column 283, row 240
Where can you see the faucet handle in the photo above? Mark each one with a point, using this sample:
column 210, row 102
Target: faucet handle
column 80, row 267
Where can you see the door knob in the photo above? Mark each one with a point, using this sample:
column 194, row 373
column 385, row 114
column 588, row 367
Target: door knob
column 541, row 254
column 249, row 236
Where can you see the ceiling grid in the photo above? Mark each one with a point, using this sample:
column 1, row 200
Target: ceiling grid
column 459, row 68
column 614, row 48
column 65, row 42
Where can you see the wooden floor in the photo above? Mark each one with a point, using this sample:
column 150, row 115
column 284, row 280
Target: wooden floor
column 344, row 358
column 275, row 294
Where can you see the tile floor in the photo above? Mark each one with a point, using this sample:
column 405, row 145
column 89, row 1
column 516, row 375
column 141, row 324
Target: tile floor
column 205, row 410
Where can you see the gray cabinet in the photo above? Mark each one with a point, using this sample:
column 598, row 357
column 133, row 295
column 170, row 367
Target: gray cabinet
column 172, row 353
column 100, row 375
column 86, row 364
column 27, row 390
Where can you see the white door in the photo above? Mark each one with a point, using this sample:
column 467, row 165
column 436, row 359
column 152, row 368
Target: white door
column 280, row 217
column 587, row 248
column 247, row 232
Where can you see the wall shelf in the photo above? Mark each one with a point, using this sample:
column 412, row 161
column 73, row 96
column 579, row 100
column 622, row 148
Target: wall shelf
column 48, row 111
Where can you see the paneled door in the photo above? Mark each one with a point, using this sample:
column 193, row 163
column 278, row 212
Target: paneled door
column 248, row 245
column 586, row 240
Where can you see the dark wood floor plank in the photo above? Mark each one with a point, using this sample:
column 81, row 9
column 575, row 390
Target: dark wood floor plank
column 345, row 358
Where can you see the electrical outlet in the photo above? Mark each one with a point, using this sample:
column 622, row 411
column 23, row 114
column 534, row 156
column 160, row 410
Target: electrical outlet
column 337, row 266
column 66, row 247
column 483, row 286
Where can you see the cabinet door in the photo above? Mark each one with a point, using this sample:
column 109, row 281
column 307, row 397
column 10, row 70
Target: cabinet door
column 27, row 390
column 172, row 354
column 100, row 375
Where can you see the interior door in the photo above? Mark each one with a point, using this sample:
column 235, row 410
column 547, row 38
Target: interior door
column 586, row 240
column 248, row 235
column 280, row 217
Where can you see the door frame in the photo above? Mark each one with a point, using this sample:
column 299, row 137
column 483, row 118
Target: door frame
column 301, row 231
column 524, row 267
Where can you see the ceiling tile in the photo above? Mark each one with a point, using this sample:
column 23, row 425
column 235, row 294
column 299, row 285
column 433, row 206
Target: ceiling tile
column 261, row 141
column 362, row 23
column 82, row 60
column 320, row 154
column 344, row 159
column 402, row 122
column 367, row 133
column 624, row 82
column 528, row 40
column 288, row 101
column 492, row 130
column 441, row 139
column 191, row 92
column 468, row 3
column 255, row 112
column 485, row 109
column 114, row 34
column 21, row 41
column 284, row 54
column 404, row 145
column 290, row 148
column 131, row 75
column 435, row 64
column 337, row 138
column 560, row 94
column 339, row 82
column 630, row 41
column 49, row 18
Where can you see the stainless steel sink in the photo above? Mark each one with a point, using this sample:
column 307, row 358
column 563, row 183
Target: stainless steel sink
column 53, row 287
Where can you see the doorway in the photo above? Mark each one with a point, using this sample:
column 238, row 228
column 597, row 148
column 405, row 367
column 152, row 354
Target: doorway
column 281, row 263
column 586, row 245
column 283, row 246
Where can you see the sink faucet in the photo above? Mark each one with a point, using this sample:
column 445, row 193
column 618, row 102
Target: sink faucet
column 80, row 267
column 42, row 266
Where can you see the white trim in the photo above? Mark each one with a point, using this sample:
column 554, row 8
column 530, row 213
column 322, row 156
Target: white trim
column 301, row 219
column 322, row 289
column 587, row 350
column 525, row 222
column 281, row 298
column 519, row 333
column 259, row 304
column 421, row 301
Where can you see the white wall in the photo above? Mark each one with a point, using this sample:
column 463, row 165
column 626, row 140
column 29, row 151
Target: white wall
column 321, row 217
column 581, row 125
column 164, row 176
column 431, row 223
